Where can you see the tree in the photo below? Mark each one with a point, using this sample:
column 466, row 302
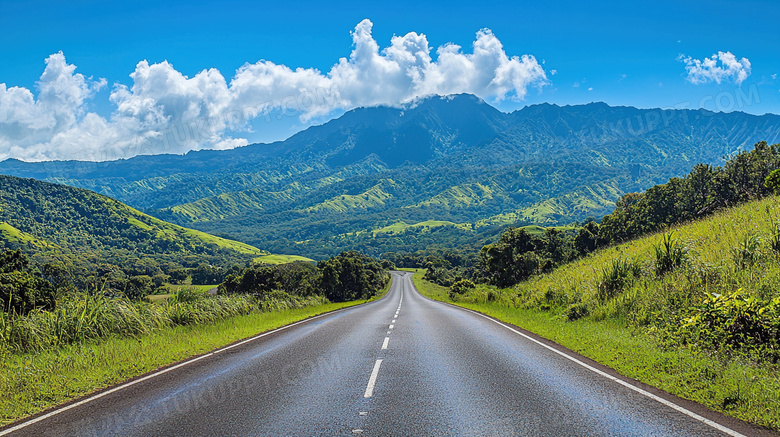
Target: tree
column 511, row 259
column 21, row 289
column 587, row 239
column 772, row 182
column 351, row 276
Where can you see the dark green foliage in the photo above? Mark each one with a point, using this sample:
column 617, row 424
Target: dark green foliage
column 511, row 259
column 518, row 255
column 205, row 274
column 772, row 182
column 178, row 275
column 615, row 278
column 350, row 276
column 461, row 287
column 669, row 255
column 296, row 279
column 13, row 261
column 577, row 311
column 588, row 238
column 22, row 289
column 734, row 321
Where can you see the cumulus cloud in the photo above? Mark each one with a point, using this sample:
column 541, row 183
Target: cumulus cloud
column 28, row 123
column 720, row 67
column 166, row 111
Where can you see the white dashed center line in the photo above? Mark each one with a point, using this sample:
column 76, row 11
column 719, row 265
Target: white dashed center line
column 372, row 379
column 378, row 363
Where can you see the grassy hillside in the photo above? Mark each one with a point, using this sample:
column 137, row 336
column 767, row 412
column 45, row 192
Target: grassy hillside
column 694, row 310
column 400, row 227
column 40, row 216
column 280, row 259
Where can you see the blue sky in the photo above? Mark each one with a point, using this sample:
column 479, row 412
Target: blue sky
column 622, row 53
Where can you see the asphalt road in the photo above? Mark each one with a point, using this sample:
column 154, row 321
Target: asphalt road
column 400, row 366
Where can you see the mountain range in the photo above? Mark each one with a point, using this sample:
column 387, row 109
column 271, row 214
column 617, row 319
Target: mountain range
column 444, row 170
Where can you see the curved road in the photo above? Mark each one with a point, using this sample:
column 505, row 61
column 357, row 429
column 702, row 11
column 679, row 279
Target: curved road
column 400, row 366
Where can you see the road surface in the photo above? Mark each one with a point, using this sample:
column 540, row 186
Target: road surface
column 400, row 366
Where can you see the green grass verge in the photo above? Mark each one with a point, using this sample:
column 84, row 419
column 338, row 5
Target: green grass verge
column 742, row 390
column 30, row 383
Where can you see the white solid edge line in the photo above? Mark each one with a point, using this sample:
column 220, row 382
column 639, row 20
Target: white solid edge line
column 646, row 393
column 384, row 344
column 158, row 373
column 372, row 379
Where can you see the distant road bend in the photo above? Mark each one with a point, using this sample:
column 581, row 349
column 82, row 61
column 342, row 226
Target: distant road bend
column 400, row 366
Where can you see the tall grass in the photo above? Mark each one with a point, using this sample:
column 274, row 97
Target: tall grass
column 670, row 254
column 89, row 317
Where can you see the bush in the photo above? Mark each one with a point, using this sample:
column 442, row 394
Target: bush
column 460, row 287
column 616, row 277
column 737, row 321
column 351, row 276
column 747, row 252
column 577, row 311
column 774, row 237
column 22, row 289
column 669, row 255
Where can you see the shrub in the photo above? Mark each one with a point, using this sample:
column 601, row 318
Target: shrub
column 747, row 251
column 462, row 286
column 616, row 277
column 774, row 237
column 669, row 255
column 735, row 320
column 577, row 311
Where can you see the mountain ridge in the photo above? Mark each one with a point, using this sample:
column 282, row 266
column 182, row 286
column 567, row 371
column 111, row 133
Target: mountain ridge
column 581, row 156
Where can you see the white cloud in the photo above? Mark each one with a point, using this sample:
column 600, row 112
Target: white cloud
column 59, row 107
column 165, row 111
column 720, row 67
column 590, row 89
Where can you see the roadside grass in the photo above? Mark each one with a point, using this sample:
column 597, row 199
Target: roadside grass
column 33, row 382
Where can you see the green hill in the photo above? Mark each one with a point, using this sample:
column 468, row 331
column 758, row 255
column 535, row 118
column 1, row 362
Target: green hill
column 41, row 216
column 101, row 242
